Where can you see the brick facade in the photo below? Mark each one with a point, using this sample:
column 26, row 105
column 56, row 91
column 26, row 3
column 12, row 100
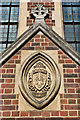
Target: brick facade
column 69, row 101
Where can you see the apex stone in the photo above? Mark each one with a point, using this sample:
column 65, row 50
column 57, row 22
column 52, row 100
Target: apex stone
column 40, row 13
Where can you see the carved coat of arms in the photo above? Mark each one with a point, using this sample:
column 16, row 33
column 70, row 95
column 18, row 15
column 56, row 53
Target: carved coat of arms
column 39, row 80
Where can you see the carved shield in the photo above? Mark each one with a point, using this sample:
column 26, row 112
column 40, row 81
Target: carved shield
column 40, row 80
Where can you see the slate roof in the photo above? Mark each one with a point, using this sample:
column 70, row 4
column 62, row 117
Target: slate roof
column 30, row 33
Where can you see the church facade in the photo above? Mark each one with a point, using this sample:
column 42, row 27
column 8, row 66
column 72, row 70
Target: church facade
column 40, row 71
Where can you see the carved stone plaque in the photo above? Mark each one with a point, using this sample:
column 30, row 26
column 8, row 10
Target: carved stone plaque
column 40, row 80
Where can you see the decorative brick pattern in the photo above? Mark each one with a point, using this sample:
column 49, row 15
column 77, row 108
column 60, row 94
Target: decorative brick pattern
column 40, row 42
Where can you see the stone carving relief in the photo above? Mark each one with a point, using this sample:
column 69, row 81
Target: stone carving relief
column 40, row 80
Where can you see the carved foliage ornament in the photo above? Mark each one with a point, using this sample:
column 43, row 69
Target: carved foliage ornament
column 40, row 80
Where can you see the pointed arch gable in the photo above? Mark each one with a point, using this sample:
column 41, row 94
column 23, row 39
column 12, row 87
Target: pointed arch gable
column 30, row 33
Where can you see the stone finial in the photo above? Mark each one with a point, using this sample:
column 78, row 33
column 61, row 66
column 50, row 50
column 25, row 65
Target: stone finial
column 39, row 12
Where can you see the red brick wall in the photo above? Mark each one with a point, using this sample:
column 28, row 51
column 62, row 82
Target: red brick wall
column 69, row 101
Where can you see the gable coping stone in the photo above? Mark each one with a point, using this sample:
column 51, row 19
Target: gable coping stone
column 30, row 33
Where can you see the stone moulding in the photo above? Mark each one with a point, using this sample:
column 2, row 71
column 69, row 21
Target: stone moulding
column 41, row 101
column 31, row 32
